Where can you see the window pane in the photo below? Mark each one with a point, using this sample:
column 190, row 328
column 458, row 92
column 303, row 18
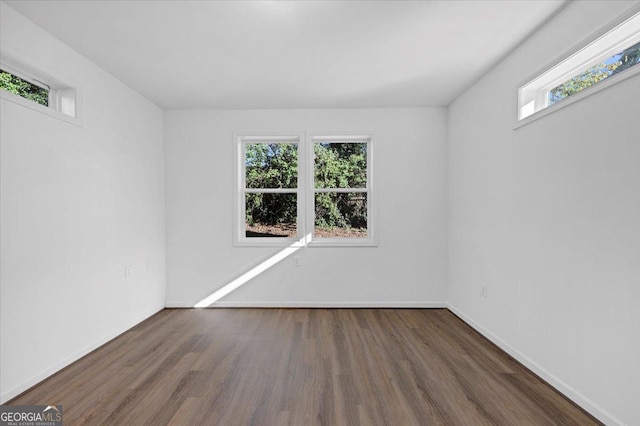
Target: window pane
column 271, row 165
column 340, row 165
column 271, row 215
column 609, row 67
column 341, row 215
column 20, row 87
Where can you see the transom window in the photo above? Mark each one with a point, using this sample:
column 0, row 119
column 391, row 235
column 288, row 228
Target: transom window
column 24, row 83
column 610, row 57
column 317, row 190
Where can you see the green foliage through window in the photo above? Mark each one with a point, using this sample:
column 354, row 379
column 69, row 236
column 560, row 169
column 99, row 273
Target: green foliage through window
column 23, row 88
column 611, row 66
column 271, row 214
column 271, row 166
column 340, row 214
column 338, row 168
column 340, row 165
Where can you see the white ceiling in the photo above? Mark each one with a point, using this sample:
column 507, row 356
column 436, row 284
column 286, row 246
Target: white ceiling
column 292, row 54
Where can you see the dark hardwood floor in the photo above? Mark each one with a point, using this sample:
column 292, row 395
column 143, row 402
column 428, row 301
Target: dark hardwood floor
column 302, row 367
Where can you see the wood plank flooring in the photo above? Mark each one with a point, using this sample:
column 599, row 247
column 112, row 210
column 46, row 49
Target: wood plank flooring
column 302, row 367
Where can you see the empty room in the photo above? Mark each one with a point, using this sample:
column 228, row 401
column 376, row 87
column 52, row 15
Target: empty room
column 319, row 212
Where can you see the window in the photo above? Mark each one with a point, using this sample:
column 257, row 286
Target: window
column 25, row 84
column 269, row 189
column 609, row 58
column 341, row 188
column 290, row 189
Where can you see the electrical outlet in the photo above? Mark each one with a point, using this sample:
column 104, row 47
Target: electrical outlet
column 484, row 291
column 127, row 271
column 296, row 260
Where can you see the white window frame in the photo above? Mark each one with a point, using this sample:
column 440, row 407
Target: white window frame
column 64, row 94
column 342, row 137
column 240, row 142
column 532, row 95
column 305, row 190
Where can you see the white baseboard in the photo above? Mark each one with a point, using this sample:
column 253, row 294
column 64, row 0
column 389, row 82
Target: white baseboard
column 562, row 387
column 396, row 305
column 12, row 393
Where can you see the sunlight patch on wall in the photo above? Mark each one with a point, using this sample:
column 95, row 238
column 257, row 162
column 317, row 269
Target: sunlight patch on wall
column 252, row 273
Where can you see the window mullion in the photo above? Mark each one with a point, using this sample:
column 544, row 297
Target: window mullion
column 310, row 180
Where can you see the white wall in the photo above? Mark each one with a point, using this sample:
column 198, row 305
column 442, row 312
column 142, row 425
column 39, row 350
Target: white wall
column 77, row 204
column 548, row 215
column 408, row 266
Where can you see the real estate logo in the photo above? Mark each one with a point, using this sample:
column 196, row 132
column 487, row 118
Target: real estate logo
column 30, row 415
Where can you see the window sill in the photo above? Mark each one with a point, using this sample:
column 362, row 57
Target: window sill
column 40, row 108
column 292, row 242
column 342, row 243
column 277, row 244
